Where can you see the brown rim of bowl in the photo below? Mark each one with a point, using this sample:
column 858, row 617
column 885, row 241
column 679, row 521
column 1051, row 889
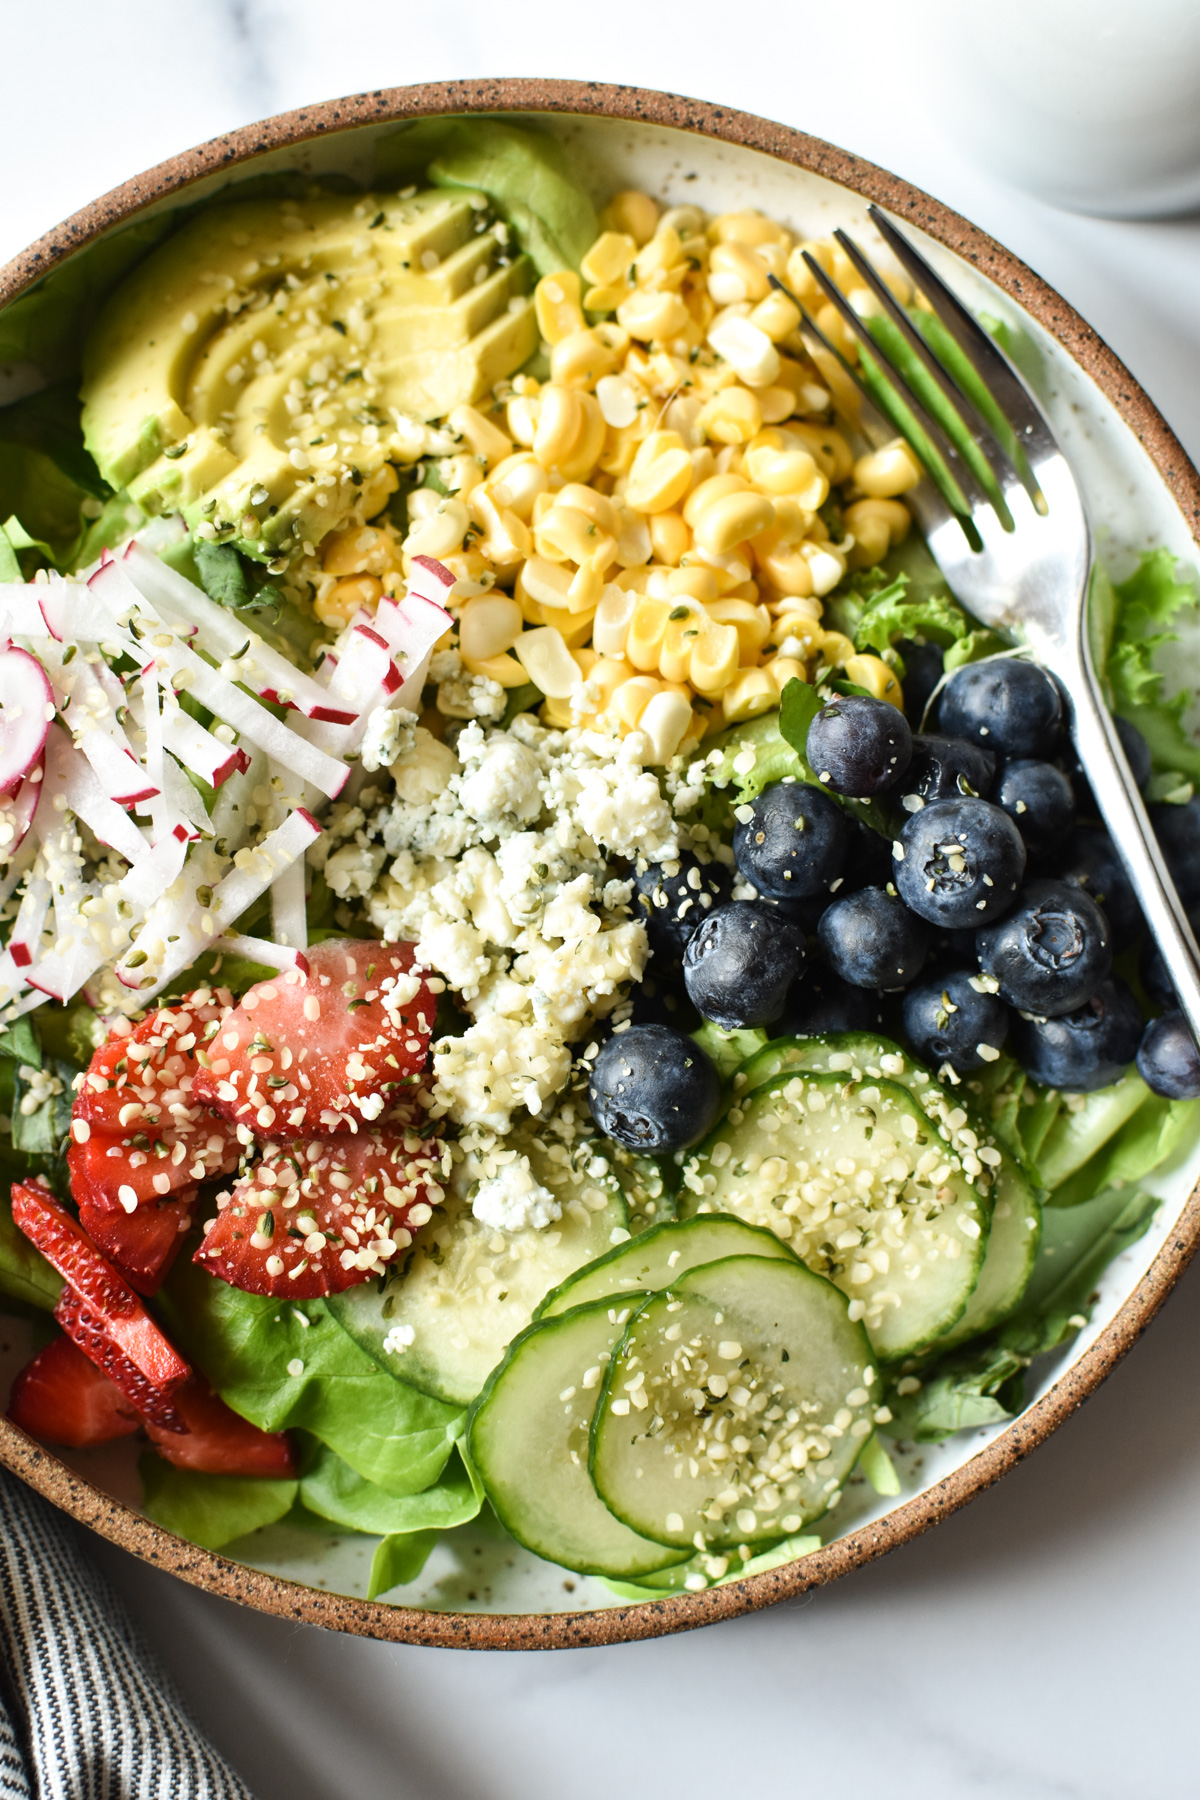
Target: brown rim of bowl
column 372, row 1618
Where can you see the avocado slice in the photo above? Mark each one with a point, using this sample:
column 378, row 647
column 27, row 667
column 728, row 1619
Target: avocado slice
column 268, row 358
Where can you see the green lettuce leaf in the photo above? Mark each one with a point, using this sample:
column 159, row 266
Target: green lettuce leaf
column 26, row 1279
column 409, row 1524
column 1133, row 624
column 398, row 1560
column 249, row 1346
column 20, row 1042
column 210, row 1510
column 523, row 172
column 1077, row 1131
column 1156, row 1132
column 892, row 615
column 47, row 324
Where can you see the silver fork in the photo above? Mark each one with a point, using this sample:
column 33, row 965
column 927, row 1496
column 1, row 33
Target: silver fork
column 1028, row 576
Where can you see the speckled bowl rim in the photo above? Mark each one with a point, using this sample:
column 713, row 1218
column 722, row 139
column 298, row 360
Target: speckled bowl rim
column 525, row 1631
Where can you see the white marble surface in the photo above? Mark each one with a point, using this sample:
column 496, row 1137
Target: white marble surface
column 1040, row 1646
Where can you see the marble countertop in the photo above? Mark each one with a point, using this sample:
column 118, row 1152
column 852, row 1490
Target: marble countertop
column 1039, row 1646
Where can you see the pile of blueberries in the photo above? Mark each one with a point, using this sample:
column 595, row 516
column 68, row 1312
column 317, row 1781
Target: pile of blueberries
column 990, row 921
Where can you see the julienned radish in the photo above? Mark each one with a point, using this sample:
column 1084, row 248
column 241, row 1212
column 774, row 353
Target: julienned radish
column 26, row 709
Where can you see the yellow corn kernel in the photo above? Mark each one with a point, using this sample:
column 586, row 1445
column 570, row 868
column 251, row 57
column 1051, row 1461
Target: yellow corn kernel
column 516, row 482
column 585, row 451
column 731, row 521
column 875, row 526
column 614, row 615
column 345, row 598
column 559, row 423
column 827, row 565
column 686, row 624
column 480, row 434
column 670, row 538
column 716, row 487
column 733, row 416
column 600, row 508
column 646, row 629
column 883, row 474
column 504, row 669
column 752, row 624
column 872, row 673
column 575, row 628
column 461, row 474
column 503, row 536
column 795, row 635
column 545, row 583
column 745, row 228
column 352, row 551
column 714, row 659
column 564, row 534
column 652, row 316
column 783, row 669
column 776, row 315
column 581, row 358
column 490, row 624
column 787, row 568
column 634, row 547
column 548, row 662
column 603, row 678
column 835, row 328
column 832, row 453
column 557, row 305
column 775, row 403
column 659, row 480
column 521, row 414
column 834, row 649
column 659, row 255
column 800, row 279
column 694, row 582
column 750, row 693
column 631, row 699
column 736, row 274
column 560, row 715
column 441, row 533
column 464, row 565
column 587, row 587
column 793, row 472
column 665, row 721
column 608, row 261
column 606, row 299
column 631, row 213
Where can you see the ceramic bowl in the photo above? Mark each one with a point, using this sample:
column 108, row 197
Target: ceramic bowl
column 481, row 1590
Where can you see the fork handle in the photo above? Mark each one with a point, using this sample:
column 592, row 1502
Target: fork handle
column 1129, row 826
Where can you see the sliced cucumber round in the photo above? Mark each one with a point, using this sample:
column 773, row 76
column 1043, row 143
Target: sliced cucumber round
column 1016, row 1230
column 444, row 1320
column 734, row 1407
column 863, row 1187
column 528, row 1438
column 662, row 1255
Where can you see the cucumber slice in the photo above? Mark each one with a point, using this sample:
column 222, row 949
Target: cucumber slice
column 528, row 1438
column 1016, row 1230
column 863, row 1187
column 735, row 1406
column 466, row 1290
column 660, row 1256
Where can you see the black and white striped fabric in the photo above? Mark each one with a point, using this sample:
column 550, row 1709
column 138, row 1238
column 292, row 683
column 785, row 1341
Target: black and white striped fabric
column 84, row 1713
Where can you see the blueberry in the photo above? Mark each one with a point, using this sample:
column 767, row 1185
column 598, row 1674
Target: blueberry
column 1039, row 800
column 857, row 745
column 1168, row 1061
column 740, row 963
column 959, row 863
column 1092, row 863
column 950, row 1018
column 653, row 1090
column 1178, row 831
column 1137, row 755
column 1083, row 1050
column 672, row 898
column 794, row 844
column 1051, row 952
column 821, row 1003
column 1010, row 705
column 922, row 672
column 872, row 940
column 1154, row 973
column 947, row 768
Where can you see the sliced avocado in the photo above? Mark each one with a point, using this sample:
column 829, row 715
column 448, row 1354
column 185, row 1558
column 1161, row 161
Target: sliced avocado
column 272, row 355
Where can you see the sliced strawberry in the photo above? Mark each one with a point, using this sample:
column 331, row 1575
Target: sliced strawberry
column 141, row 1079
column 64, row 1398
column 219, row 1441
column 118, row 1172
column 141, row 1245
column 119, row 1313
column 323, row 1214
column 339, row 1048
column 88, row 1328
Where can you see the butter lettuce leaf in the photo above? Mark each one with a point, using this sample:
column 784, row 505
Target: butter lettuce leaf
column 408, row 1524
column 210, row 1510
column 1134, row 620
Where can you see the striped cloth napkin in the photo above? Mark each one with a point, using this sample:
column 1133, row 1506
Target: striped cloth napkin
column 84, row 1712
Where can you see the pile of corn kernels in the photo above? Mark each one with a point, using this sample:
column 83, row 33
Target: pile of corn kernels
column 640, row 535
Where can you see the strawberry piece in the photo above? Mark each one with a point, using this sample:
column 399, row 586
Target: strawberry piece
column 320, row 1215
column 142, row 1079
column 64, row 1398
column 118, row 1172
column 218, row 1440
column 120, row 1314
column 88, row 1328
column 331, row 1051
column 141, row 1245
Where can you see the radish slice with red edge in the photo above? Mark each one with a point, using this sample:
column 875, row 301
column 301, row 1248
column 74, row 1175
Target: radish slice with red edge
column 262, row 950
column 26, row 709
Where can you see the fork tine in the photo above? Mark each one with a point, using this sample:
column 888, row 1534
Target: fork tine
column 1032, row 432
column 995, row 454
column 962, row 475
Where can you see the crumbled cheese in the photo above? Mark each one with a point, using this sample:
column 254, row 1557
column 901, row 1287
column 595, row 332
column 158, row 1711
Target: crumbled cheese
column 513, row 1200
column 390, row 734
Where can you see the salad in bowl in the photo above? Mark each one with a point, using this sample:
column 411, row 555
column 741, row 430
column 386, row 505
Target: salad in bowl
column 554, row 981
